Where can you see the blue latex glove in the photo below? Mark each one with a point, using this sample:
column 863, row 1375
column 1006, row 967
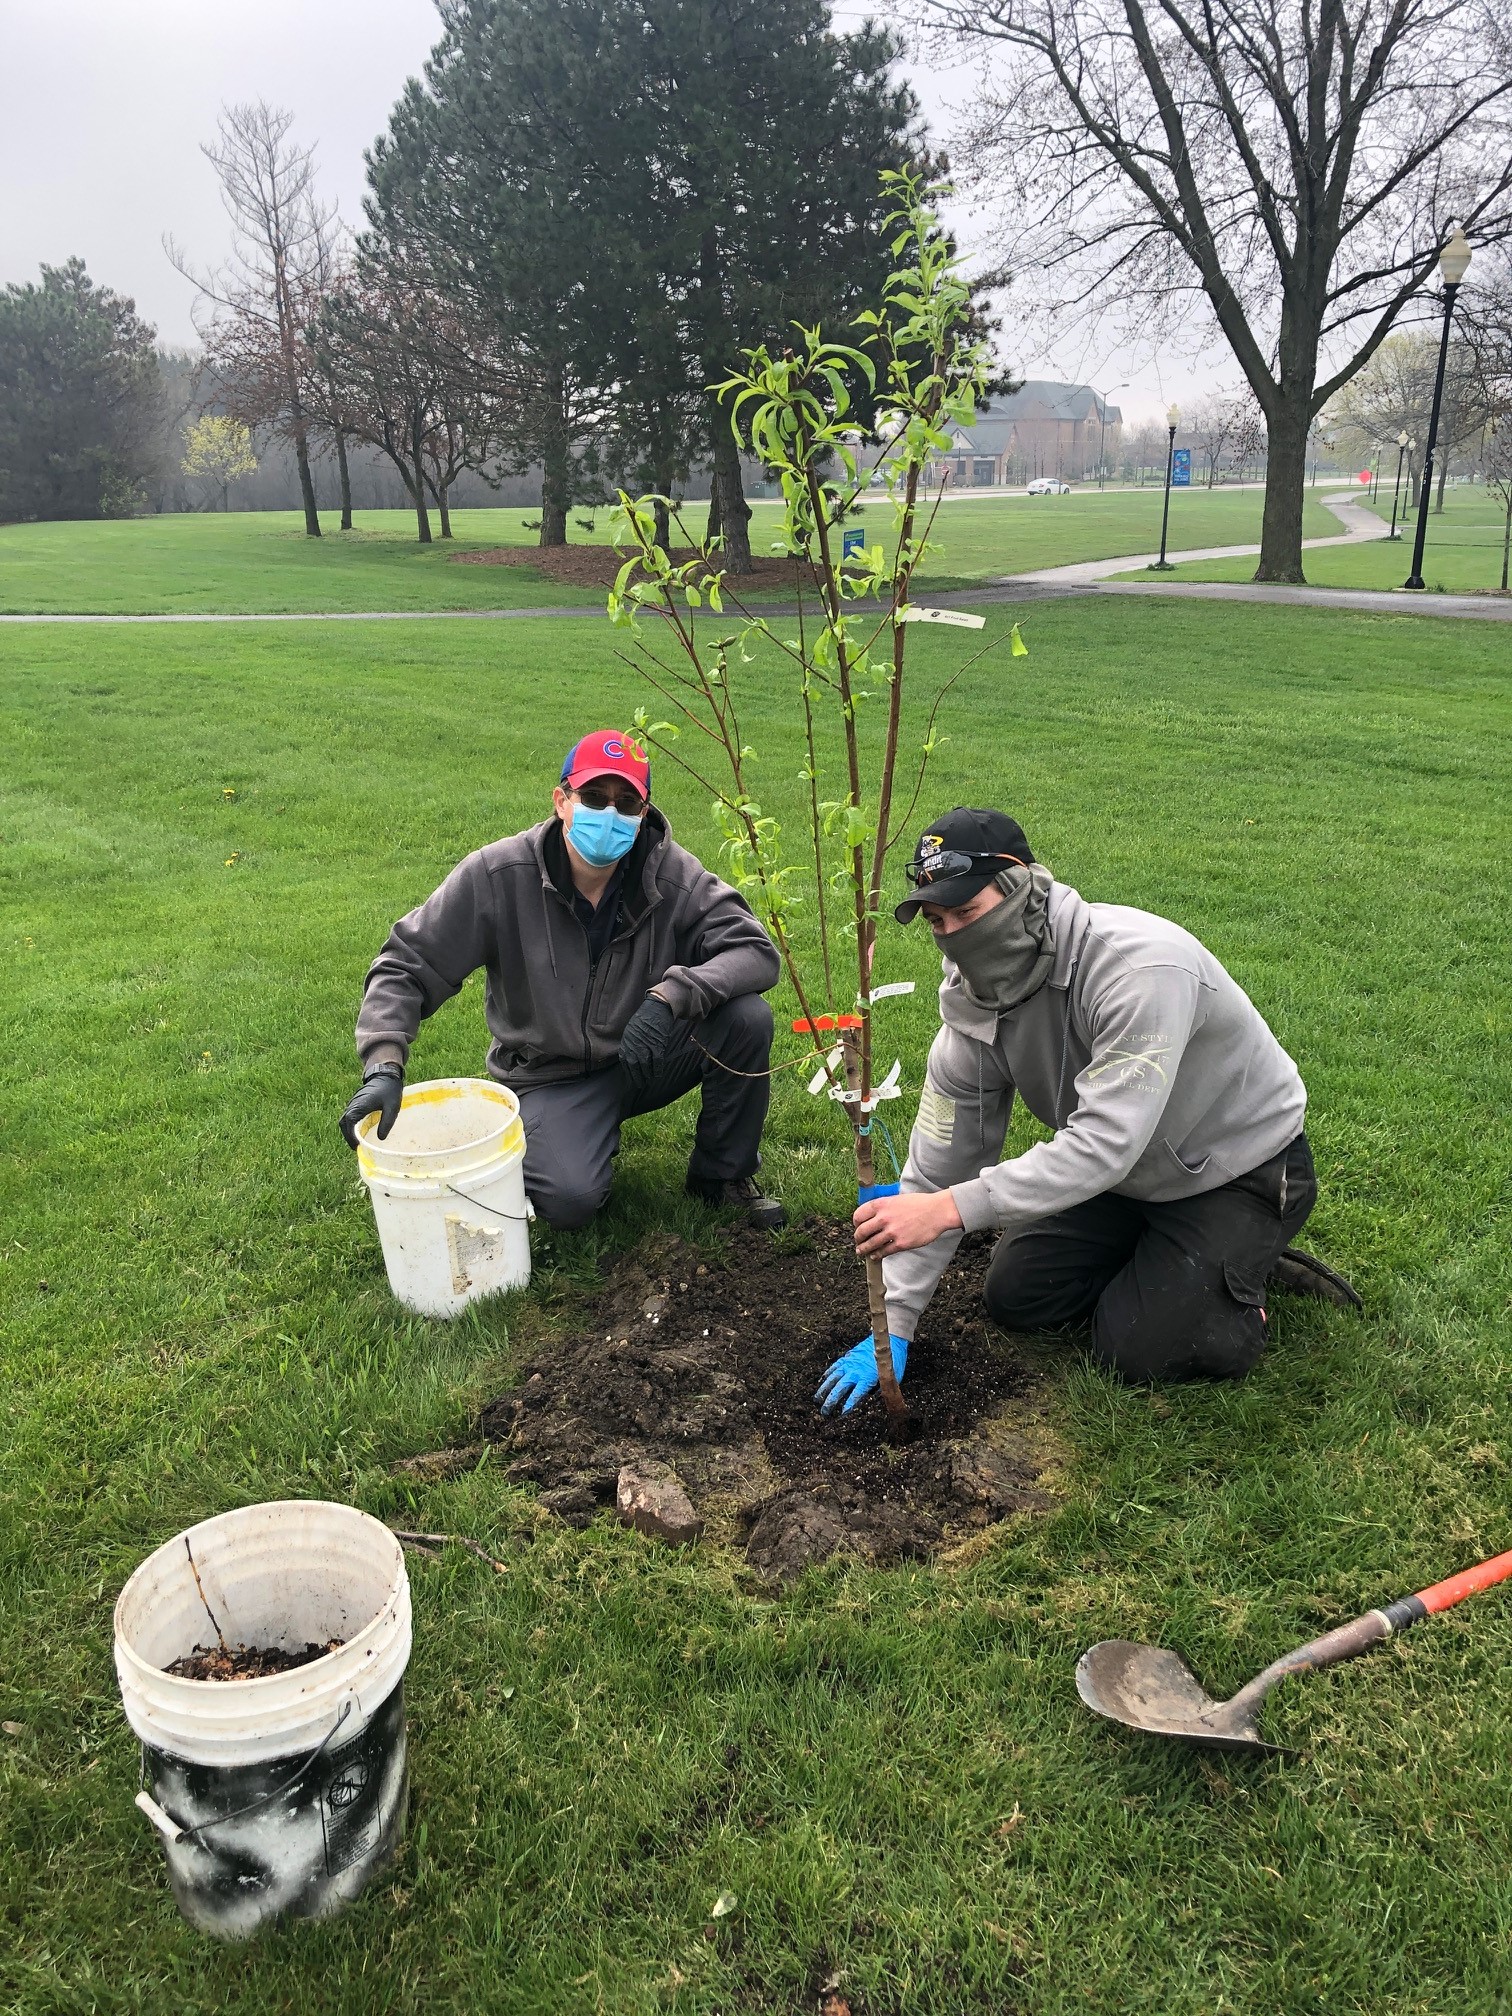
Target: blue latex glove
column 856, row 1374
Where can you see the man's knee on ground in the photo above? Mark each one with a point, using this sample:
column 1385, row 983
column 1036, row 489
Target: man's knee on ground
column 1023, row 1293
column 1209, row 1335
column 567, row 1210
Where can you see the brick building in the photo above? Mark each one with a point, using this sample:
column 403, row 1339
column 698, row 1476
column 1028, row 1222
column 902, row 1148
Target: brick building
column 1043, row 429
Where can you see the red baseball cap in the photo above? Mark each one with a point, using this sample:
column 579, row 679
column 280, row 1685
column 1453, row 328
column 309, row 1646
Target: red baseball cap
column 607, row 752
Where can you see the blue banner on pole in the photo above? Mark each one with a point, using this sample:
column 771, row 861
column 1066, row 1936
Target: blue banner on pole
column 1181, row 469
column 854, row 541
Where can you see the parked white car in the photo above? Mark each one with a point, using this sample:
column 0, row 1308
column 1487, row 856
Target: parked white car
column 1048, row 486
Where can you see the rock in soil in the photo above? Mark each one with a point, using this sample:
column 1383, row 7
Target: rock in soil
column 246, row 1662
column 707, row 1368
column 650, row 1497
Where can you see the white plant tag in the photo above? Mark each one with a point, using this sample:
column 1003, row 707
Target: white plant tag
column 888, row 1089
column 958, row 619
column 821, row 1077
column 892, row 987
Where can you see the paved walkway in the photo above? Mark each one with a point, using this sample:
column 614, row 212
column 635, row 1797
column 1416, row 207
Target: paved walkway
column 1117, row 577
column 1360, row 524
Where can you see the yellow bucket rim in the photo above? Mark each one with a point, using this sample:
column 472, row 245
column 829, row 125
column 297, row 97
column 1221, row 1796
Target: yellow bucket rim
column 440, row 1092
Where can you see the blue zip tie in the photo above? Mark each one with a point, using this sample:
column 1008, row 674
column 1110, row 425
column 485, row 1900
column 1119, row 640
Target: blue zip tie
column 891, row 1151
column 865, row 1192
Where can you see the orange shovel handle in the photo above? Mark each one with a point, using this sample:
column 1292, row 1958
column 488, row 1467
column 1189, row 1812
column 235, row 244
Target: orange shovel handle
column 1469, row 1582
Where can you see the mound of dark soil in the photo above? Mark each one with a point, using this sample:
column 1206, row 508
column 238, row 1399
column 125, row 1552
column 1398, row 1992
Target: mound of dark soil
column 245, row 1662
column 708, row 1369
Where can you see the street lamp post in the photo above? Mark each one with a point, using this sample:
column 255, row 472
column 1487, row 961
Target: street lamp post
column 1173, row 419
column 1403, row 444
column 1454, row 263
column 1102, row 446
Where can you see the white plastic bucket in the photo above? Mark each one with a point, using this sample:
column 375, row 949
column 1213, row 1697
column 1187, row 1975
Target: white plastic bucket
column 448, row 1191
column 280, row 1795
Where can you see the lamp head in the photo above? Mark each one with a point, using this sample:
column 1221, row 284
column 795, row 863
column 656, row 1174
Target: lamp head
column 1454, row 260
column 1402, row 441
column 1173, row 418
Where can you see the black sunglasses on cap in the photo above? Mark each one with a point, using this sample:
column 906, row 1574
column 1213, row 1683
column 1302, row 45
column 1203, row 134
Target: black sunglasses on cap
column 947, row 864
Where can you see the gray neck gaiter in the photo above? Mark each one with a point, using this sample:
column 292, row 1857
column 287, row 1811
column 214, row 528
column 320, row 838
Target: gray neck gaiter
column 1006, row 956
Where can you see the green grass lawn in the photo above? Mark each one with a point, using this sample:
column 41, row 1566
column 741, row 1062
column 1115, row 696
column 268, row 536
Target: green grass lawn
column 1463, row 554
column 262, row 562
column 203, row 837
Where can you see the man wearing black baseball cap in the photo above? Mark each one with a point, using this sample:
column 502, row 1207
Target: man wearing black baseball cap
column 1178, row 1171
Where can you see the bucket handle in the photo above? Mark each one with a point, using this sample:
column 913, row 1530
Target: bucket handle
column 514, row 1217
column 170, row 1829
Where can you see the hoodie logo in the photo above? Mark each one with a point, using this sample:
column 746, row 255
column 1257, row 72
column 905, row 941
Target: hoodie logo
column 1144, row 1067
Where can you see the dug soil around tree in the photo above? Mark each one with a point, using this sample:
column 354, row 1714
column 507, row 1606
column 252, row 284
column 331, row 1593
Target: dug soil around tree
column 693, row 1377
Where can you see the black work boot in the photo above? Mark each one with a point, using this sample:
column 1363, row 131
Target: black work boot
column 742, row 1192
column 1302, row 1273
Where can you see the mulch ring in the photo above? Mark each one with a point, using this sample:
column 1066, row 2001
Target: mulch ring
column 597, row 566
column 693, row 1378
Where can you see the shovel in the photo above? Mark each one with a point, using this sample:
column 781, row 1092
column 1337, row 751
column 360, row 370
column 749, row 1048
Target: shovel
column 1154, row 1691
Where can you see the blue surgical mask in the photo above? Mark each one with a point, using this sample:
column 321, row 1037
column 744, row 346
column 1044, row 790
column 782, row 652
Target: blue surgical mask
column 602, row 838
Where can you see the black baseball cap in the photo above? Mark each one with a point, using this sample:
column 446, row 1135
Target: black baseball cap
column 959, row 856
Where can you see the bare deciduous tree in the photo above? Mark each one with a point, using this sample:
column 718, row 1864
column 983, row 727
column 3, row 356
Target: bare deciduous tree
column 1212, row 427
column 322, row 394
column 1298, row 162
column 1488, row 338
column 1247, row 449
column 1392, row 395
column 252, row 310
column 403, row 377
column 1145, row 448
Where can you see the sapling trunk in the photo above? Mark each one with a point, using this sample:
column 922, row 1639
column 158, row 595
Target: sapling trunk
column 876, row 1287
column 858, row 1053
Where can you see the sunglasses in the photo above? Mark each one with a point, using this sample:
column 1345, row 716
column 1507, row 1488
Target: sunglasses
column 945, row 866
column 604, row 797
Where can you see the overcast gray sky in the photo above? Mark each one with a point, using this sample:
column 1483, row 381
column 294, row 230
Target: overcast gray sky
column 107, row 102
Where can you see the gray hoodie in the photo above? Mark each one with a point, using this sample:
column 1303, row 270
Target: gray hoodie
column 1154, row 1067
column 554, row 1015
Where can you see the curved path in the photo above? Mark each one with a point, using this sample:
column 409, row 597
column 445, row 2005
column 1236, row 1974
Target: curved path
column 1359, row 522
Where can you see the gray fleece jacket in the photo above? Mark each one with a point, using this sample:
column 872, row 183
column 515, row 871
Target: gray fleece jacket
column 553, row 1015
column 1154, row 1067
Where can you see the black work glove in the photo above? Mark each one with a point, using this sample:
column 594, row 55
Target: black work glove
column 646, row 1037
column 382, row 1090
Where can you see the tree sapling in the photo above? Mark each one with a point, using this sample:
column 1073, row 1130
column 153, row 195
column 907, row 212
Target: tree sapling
column 921, row 361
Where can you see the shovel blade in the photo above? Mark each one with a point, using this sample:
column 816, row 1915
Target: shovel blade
column 1154, row 1691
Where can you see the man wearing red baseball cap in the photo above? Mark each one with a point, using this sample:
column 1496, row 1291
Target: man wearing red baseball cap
column 620, row 973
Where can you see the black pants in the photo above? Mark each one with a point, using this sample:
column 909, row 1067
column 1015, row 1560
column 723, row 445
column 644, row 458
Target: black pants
column 1174, row 1291
column 572, row 1130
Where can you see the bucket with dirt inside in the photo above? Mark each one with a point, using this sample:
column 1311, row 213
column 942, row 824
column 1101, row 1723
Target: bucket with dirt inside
column 448, row 1191
column 282, row 1794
